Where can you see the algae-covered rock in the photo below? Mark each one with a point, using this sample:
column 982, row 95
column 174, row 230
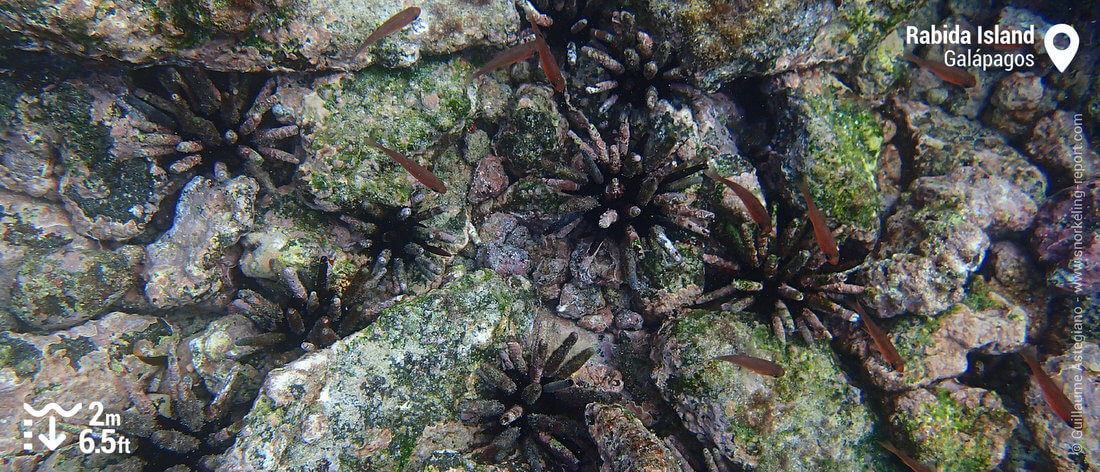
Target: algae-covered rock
column 27, row 137
column 953, row 427
column 943, row 143
column 736, row 38
column 936, row 347
column 109, row 194
column 408, row 111
column 91, row 362
column 810, row 419
column 365, row 402
column 624, row 442
column 832, row 140
column 534, row 130
column 290, row 235
column 286, row 34
column 182, row 266
column 30, row 228
column 971, row 183
column 66, row 288
column 218, row 360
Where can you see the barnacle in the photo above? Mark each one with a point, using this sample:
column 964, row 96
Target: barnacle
column 317, row 316
column 625, row 188
column 777, row 274
column 404, row 249
column 188, row 119
column 636, row 69
column 535, row 408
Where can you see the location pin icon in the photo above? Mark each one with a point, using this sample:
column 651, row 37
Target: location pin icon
column 1061, row 57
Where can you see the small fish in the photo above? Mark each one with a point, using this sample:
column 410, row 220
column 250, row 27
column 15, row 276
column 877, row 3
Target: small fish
column 1051, row 393
column 425, row 176
column 755, row 364
column 756, row 209
column 946, row 73
column 548, row 63
column 824, row 236
column 909, row 461
column 512, row 55
column 882, row 342
column 390, row 26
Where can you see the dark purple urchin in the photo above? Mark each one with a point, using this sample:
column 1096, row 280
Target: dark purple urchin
column 188, row 119
column 624, row 189
column 404, row 249
column 531, row 406
column 297, row 315
column 779, row 274
column 635, row 68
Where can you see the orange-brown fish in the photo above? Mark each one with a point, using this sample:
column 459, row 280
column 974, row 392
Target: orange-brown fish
column 390, row 26
column 548, row 63
column 882, row 342
column 755, row 364
column 946, row 73
column 1051, row 393
column 822, row 232
column 512, row 55
column 909, row 461
column 756, row 209
column 425, row 176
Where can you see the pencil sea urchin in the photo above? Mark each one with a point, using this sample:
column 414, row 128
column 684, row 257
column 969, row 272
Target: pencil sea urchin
column 533, row 406
column 404, row 249
column 636, row 69
column 317, row 316
column 190, row 119
column 771, row 268
column 627, row 188
column 565, row 24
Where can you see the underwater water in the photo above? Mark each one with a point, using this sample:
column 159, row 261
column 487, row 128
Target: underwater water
column 560, row 235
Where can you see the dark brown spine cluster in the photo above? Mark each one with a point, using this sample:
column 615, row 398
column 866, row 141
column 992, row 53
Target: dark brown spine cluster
column 191, row 120
column 534, row 407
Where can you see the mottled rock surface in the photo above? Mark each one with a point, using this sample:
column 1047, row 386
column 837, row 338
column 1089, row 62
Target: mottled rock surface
column 953, row 427
column 66, row 288
column 283, row 34
column 182, row 266
column 970, row 183
column 810, row 419
column 832, row 140
column 90, row 362
column 408, row 111
column 935, row 347
column 367, row 400
column 1067, row 238
column 625, row 444
column 764, row 37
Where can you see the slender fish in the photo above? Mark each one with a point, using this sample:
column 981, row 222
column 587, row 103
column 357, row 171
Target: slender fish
column 881, row 340
column 512, row 55
column 909, row 461
column 390, row 26
column 547, row 61
column 425, row 176
column 1051, row 392
column 755, row 364
column 946, row 73
column 822, row 232
column 756, row 209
